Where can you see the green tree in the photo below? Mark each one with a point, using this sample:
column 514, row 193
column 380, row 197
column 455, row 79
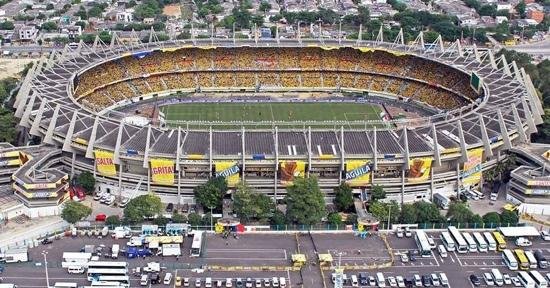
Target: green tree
column 377, row 193
column 211, row 193
column 265, row 6
column 430, row 36
column 161, row 220
column 144, row 206
column 459, row 213
column 343, row 199
column 448, row 30
column 86, row 180
column 258, row 20
column 491, row 218
column 351, row 219
column 194, row 219
column 488, row 10
column 242, row 18
column 383, row 210
column 7, row 125
column 112, row 221
column 81, row 13
column 49, row 6
column 334, row 218
column 427, row 212
column 249, row 204
column 521, row 8
column 178, row 218
column 508, row 218
column 7, row 25
column 49, row 26
column 476, row 220
column 409, row 214
column 305, row 202
column 74, row 211
column 95, row 12
column 278, row 218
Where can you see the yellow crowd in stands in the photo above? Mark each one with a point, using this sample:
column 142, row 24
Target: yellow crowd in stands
column 191, row 68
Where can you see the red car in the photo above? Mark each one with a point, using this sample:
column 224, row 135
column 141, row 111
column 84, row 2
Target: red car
column 100, row 217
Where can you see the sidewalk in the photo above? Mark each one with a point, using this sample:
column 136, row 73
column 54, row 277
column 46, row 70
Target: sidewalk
column 15, row 234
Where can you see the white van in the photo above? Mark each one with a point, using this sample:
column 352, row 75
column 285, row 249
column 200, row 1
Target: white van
column 442, row 251
column 144, row 281
column 282, row 282
column 354, row 282
column 167, row 278
column 444, row 280
column 207, row 282
column 497, row 277
column 75, row 270
column 380, row 280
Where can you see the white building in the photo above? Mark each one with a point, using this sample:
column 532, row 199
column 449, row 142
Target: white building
column 27, row 33
column 124, row 17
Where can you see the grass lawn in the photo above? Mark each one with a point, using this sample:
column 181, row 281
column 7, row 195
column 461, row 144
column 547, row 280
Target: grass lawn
column 255, row 112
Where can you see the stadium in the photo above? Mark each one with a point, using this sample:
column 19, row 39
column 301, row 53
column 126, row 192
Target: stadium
column 416, row 118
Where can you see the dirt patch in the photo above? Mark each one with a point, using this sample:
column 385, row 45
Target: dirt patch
column 11, row 67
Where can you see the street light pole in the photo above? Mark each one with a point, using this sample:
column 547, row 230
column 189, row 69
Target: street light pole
column 211, row 224
column 44, row 253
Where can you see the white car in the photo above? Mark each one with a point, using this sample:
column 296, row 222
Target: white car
column 545, row 235
column 507, row 279
column 258, row 283
column 400, row 233
column 442, row 251
column 431, row 242
column 400, row 281
column 523, row 242
column 516, row 282
column 404, row 258
column 392, row 281
column 408, row 232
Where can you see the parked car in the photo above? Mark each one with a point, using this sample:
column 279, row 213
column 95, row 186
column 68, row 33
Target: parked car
column 523, row 242
column 46, row 241
column 516, row 282
column 545, row 235
column 170, row 207
column 408, row 232
column 404, row 258
column 475, row 280
column 431, row 242
column 400, row 281
column 392, row 281
column 442, row 251
column 100, row 217
column 426, row 281
column 400, row 233
column 507, row 279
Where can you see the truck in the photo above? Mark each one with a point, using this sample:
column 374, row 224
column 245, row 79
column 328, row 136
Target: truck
column 114, row 251
column 134, row 252
column 441, row 201
column 135, row 241
column 15, row 255
column 171, row 250
column 152, row 267
column 121, row 232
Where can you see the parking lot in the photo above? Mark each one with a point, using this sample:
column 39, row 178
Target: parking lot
column 260, row 256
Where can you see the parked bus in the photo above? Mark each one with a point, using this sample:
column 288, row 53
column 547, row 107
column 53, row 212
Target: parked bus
column 448, row 241
column 481, row 244
column 109, row 284
column 522, row 259
column 95, row 273
column 509, row 259
column 123, row 281
column 8, row 286
column 501, row 243
column 196, row 246
column 491, row 243
column 107, row 265
column 65, row 284
column 540, row 281
column 526, row 280
column 461, row 245
column 424, row 247
column 441, row 201
column 472, row 245
column 533, row 264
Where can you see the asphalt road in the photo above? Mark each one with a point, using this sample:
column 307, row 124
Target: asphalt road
column 253, row 250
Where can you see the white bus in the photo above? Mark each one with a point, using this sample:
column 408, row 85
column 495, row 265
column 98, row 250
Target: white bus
column 491, row 243
column 76, row 257
column 95, row 273
column 540, row 281
column 108, row 265
column 461, row 245
column 509, row 259
column 123, row 281
column 526, row 280
column 448, row 241
column 481, row 244
column 497, row 277
column 65, row 284
column 110, row 284
column 472, row 245
column 196, row 246
column 8, row 286
column 424, row 247
column 533, row 263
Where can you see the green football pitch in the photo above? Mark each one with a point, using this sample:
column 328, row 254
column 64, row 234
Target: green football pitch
column 257, row 112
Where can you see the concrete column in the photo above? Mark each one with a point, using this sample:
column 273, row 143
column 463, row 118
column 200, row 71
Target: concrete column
column 27, row 113
column 147, row 146
column 503, row 130
column 463, row 149
column 118, row 143
column 91, row 141
column 485, row 137
column 69, row 135
column 437, row 153
column 374, row 151
column 35, row 127
column 48, row 138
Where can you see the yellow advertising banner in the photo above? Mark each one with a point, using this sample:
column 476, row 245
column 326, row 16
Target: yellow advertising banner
column 9, row 154
column 471, row 173
column 290, row 170
column 228, row 170
column 358, row 172
column 419, row 169
column 162, row 171
column 104, row 162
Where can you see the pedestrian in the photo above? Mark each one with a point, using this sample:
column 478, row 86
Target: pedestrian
column 226, row 243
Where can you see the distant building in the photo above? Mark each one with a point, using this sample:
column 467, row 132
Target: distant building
column 27, row 33
column 504, row 6
column 124, row 17
column 535, row 15
column 501, row 19
column 148, row 21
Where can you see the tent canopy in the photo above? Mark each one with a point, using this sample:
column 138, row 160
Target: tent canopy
column 524, row 231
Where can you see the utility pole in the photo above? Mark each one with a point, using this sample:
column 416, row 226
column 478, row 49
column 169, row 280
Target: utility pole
column 44, row 253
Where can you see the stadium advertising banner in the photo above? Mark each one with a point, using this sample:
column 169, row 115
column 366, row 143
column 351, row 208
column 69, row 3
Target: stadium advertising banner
column 290, row 170
column 162, row 171
column 358, row 173
column 228, row 170
column 104, row 161
column 471, row 173
column 9, row 154
column 419, row 169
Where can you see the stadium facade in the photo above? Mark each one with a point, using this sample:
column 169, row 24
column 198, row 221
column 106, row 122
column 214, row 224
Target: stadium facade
column 482, row 107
